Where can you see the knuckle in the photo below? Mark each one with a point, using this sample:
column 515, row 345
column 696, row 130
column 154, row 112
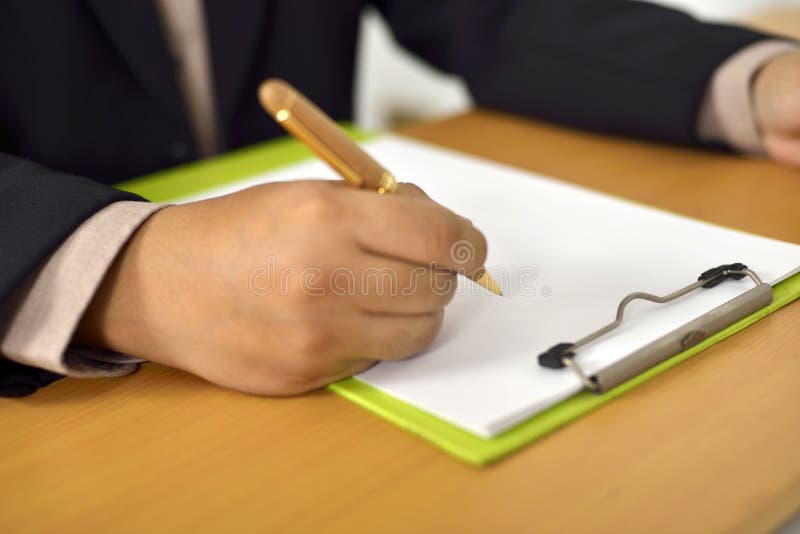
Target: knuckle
column 321, row 204
column 309, row 342
column 426, row 332
column 442, row 235
column 440, row 289
column 413, row 340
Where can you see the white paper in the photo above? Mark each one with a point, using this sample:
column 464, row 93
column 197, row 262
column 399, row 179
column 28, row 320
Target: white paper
column 565, row 257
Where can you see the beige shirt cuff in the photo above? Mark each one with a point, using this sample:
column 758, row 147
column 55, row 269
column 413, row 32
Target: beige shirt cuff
column 726, row 113
column 38, row 320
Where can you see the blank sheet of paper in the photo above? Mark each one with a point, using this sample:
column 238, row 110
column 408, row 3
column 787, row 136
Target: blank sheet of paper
column 565, row 257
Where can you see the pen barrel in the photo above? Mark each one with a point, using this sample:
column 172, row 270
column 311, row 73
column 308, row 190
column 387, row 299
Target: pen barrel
column 305, row 121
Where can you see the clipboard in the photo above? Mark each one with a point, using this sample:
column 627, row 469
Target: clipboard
column 271, row 155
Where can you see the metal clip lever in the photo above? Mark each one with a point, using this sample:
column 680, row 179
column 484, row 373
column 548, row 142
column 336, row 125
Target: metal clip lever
column 563, row 354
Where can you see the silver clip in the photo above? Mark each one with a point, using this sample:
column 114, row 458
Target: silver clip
column 563, row 354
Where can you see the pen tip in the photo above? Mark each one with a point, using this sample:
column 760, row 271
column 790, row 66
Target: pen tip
column 486, row 281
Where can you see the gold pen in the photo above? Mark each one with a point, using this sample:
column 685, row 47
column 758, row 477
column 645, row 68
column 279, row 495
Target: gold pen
column 306, row 122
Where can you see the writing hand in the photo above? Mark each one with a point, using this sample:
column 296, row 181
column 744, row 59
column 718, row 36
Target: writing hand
column 285, row 287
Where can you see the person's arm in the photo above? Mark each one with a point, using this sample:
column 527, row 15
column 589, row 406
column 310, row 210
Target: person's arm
column 39, row 209
column 616, row 66
column 38, row 319
column 747, row 116
column 41, row 213
column 241, row 290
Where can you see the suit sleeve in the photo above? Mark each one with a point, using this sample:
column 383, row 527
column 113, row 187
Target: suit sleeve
column 39, row 209
column 616, row 66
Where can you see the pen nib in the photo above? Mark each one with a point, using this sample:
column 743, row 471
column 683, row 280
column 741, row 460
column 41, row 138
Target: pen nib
column 485, row 280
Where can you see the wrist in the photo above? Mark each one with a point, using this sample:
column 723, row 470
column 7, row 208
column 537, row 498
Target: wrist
column 776, row 106
column 775, row 88
column 116, row 316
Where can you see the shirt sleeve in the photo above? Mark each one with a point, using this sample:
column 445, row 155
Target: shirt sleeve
column 726, row 114
column 38, row 320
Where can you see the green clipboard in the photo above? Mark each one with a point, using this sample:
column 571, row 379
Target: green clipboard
column 196, row 177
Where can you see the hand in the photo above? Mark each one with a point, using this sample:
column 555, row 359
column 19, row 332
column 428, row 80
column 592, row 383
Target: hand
column 192, row 287
column 776, row 95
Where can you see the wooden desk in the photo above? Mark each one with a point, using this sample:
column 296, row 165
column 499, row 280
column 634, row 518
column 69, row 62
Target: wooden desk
column 712, row 445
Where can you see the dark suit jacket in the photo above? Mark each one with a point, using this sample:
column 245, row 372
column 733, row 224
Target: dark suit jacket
column 88, row 90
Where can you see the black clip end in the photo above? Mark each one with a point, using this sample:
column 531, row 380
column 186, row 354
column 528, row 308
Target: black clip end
column 720, row 274
column 553, row 358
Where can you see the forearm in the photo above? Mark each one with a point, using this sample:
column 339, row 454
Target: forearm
column 59, row 234
column 618, row 66
column 39, row 318
column 39, row 209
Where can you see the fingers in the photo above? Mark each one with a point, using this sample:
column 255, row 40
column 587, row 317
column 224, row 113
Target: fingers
column 394, row 337
column 369, row 337
column 294, row 379
column 364, row 336
column 393, row 287
column 363, row 340
column 417, row 230
column 349, row 369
